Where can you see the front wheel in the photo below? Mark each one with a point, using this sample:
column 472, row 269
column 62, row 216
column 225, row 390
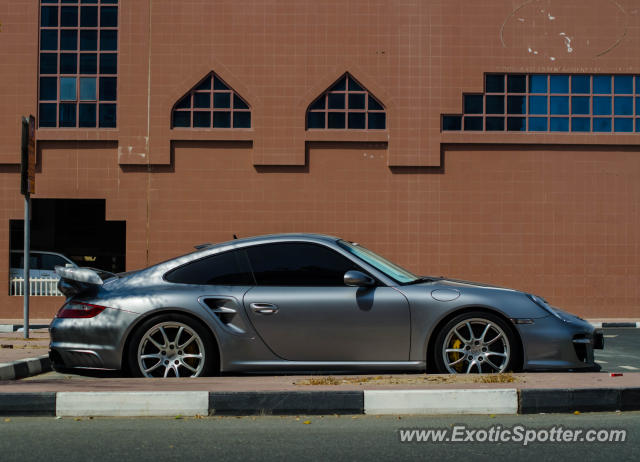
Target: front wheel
column 171, row 346
column 475, row 342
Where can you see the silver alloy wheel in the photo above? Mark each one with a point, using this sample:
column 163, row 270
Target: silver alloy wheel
column 476, row 343
column 171, row 349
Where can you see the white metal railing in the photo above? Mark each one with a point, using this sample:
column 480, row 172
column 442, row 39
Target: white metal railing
column 37, row 286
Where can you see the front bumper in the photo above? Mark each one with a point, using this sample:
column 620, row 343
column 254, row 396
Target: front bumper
column 554, row 344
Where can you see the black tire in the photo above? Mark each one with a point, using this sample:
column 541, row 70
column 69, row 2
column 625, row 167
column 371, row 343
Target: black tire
column 156, row 337
column 478, row 353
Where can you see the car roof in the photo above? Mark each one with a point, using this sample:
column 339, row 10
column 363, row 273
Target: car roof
column 268, row 238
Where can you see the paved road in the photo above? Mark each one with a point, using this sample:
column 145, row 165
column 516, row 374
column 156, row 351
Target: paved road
column 289, row 438
column 621, row 350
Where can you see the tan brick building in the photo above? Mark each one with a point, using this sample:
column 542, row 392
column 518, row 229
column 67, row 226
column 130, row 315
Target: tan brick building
column 493, row 141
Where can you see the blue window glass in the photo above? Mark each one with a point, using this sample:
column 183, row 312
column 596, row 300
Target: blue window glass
column 67, row 115
column 202, row 119
column 602, row 84
column 223, row 119
column 69, row 39
column 637, row 105
column 580, row 84
column 537, row 83
column 87, row 89
column 559, row 105
column 108, row 40
column 48, row 39
column 516, row 83
column 184, row 103
column 48, row 63
column 239, row 104
column 68, row 63
column 580, row 124
column 181, row 119
column 315, row 120
column 317, row 104
column 205, row 84
column 48, row 88
column 49, row 16
column 637, row 77
column 451, row 122
column 89, row 16
column 88, row 63
column 336, row 120
column 223, row 100
column 473, row 123
column 472, row 104
column 559, row 124
column 377, row 121
column 494, row 83
column 356, row 101
column 580, row 105
column 353, row 86
column 559, row 83
column 219, row 84
column 601, row 124
column 242, row 119
column 623, row 124
column 47, row 114
column 494, row 123
column 623, row 105
column 108, row 16
column 107, row 115
column 69, row 16
column 68, row 89
column 108, row 63
column 108, row 88
column 87, row 115
column 638, row 125
column 202, row 100
column 375, row 105
column 537, row 124
column 516, row 105
column 340, row 85
column 88, row 40
column 537, row 105
column 602, row 105
column 495, row 104
column 108, row 1
column 336, row 101
column 623, row 84
column 356, row 120
column 518, row 124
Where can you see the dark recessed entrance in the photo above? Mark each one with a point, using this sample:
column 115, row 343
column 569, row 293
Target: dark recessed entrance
column 77, row 229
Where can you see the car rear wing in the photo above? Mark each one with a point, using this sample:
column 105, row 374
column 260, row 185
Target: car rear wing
column 74, row 281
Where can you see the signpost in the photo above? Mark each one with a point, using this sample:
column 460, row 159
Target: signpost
column 27, row 187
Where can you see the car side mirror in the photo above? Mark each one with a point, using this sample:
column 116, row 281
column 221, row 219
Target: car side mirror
column 358, row 279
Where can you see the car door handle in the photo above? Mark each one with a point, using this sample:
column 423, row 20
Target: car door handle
column 264, row 308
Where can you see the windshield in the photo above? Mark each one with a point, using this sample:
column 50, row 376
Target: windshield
column 392, row 270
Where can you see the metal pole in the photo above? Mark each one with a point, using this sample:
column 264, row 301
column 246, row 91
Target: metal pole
column 27, row 239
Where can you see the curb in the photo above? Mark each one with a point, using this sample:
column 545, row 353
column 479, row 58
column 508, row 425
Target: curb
column 371, row 402
column 7, row 328
column 24, row 368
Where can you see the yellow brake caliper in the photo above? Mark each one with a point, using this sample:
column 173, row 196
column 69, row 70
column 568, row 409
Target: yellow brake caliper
column 456, row 356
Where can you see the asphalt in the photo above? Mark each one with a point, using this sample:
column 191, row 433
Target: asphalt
column 302, row 437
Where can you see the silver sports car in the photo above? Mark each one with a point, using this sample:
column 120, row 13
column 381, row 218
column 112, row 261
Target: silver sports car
column 305, row 302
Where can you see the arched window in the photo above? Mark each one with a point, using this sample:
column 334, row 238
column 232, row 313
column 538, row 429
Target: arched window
column 211, row 104
column 346, row 105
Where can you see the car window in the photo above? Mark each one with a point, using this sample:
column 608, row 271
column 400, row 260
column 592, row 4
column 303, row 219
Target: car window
column 228, row 268
column 17, row 261
column 298, row 264
column 49, row 262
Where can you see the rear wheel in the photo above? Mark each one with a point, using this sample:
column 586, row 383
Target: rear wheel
column 475, row 342
column 172, row 345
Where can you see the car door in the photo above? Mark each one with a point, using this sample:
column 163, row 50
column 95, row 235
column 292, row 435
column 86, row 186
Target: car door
column 304, row 312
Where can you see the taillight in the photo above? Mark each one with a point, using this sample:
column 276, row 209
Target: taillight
column 79, row 310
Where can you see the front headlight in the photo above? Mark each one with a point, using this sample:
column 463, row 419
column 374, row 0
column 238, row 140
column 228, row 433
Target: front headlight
column 542, row 303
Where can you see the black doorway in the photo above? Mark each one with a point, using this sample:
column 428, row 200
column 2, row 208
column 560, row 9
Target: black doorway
column 75, row 228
